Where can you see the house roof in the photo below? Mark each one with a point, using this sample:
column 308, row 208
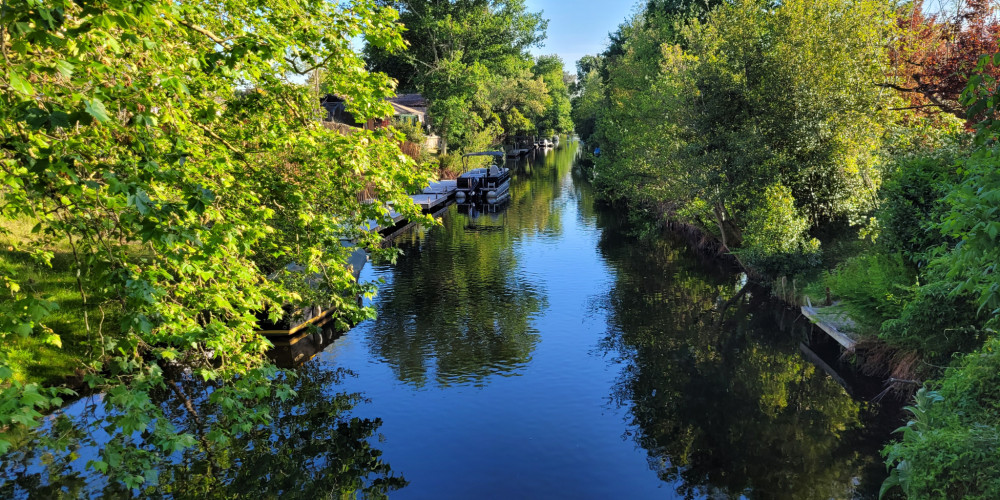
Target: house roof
column 416, row 101
column 405, row 110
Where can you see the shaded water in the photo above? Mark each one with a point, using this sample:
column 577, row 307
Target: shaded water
column 540, row 352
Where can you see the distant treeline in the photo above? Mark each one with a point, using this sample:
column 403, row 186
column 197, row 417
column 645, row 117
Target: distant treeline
column 471, row 61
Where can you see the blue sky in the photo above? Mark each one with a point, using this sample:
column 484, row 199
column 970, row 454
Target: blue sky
column 579, row 27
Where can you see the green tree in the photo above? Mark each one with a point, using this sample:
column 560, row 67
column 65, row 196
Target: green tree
column 555, row 118
column 167, row 144
column 743, row 101
column 463, row 55
column 588, row 96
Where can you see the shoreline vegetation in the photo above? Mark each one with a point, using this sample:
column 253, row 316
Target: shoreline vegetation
column 163, row 163
column 844, row 154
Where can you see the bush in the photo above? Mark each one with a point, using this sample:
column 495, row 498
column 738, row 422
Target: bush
column 874, row 288
column 951, row 446
column 775, row 240
column 913, row 204
column 413, row 130
column 935, row 322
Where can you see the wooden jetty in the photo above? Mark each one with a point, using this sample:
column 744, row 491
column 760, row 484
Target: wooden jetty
column 435, row 195
column 299, row 321
column 832, row 330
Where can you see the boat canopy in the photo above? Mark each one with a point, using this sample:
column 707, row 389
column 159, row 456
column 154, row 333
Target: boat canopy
column 485, row 153
column 502, row 156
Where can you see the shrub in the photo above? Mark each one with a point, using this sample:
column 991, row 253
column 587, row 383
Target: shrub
column 412, row 130
column 874, row 288
column 913, row 204
column 775, row 241
column 935, row 322
column 951, row 446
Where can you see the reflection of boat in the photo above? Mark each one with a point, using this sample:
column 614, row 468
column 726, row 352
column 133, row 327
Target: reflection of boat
column 493, row 210
column 490, row 183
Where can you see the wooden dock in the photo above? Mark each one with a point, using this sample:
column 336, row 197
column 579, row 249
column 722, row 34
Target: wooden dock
column 435, row 195
column 832, row 330
column 442, row 187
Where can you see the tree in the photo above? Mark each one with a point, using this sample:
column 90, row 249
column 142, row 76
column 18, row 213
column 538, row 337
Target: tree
column 588, row 96
column 166, row 144
column 461, row 53
column 757, row 113
column 555, row 118
column 936, row 53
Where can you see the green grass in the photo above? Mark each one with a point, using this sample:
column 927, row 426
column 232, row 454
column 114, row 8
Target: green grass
column 31, row 359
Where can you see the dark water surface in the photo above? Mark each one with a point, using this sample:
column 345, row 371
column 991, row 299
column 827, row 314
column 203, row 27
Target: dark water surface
column 541, row 353
column 538, row 352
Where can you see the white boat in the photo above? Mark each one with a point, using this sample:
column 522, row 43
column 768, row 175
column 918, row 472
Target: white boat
column 491, row 183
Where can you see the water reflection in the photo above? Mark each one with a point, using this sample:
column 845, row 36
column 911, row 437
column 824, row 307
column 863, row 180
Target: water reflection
column 716, row 389
column 313, row 448
column 457, row 310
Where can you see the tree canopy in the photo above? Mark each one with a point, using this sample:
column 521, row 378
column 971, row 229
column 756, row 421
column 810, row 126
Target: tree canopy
column 167, row 149
column 470, row 59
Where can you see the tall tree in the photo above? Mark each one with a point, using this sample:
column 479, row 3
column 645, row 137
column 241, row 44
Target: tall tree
column 459, row 52
column 936, row 53
column 166, row 144
column 761, row 122
column 555, row 118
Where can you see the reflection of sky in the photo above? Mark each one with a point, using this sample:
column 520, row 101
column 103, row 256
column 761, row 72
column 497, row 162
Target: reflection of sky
column 579, row 27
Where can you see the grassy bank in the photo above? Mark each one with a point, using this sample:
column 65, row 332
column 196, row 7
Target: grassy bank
column 60, row 355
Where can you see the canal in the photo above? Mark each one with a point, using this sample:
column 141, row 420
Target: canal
column 541, row 352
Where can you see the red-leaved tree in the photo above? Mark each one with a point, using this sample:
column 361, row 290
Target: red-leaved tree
column 938, row 51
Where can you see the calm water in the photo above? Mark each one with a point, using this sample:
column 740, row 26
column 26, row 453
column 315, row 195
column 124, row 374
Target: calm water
column 539, row 352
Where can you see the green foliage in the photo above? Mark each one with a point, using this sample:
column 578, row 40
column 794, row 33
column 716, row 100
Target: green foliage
column 913, row 203
column 898, row 288
column 775, row 241
column 935, row 322
column 951, row 446
column 874, row 288
column 588, row 99
column 412, row 131
column 974, row 203
column 168, row 146
column 555, row 117
column 742, row 98
column 471, row 60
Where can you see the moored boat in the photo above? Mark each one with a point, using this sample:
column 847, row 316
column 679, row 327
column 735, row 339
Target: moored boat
column 490, row 183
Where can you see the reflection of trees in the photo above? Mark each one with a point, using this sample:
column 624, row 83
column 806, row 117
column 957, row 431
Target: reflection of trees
column 311, row 449
column 457, row 310
column 718, row 393
column 456, row 301
column 537, row 185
